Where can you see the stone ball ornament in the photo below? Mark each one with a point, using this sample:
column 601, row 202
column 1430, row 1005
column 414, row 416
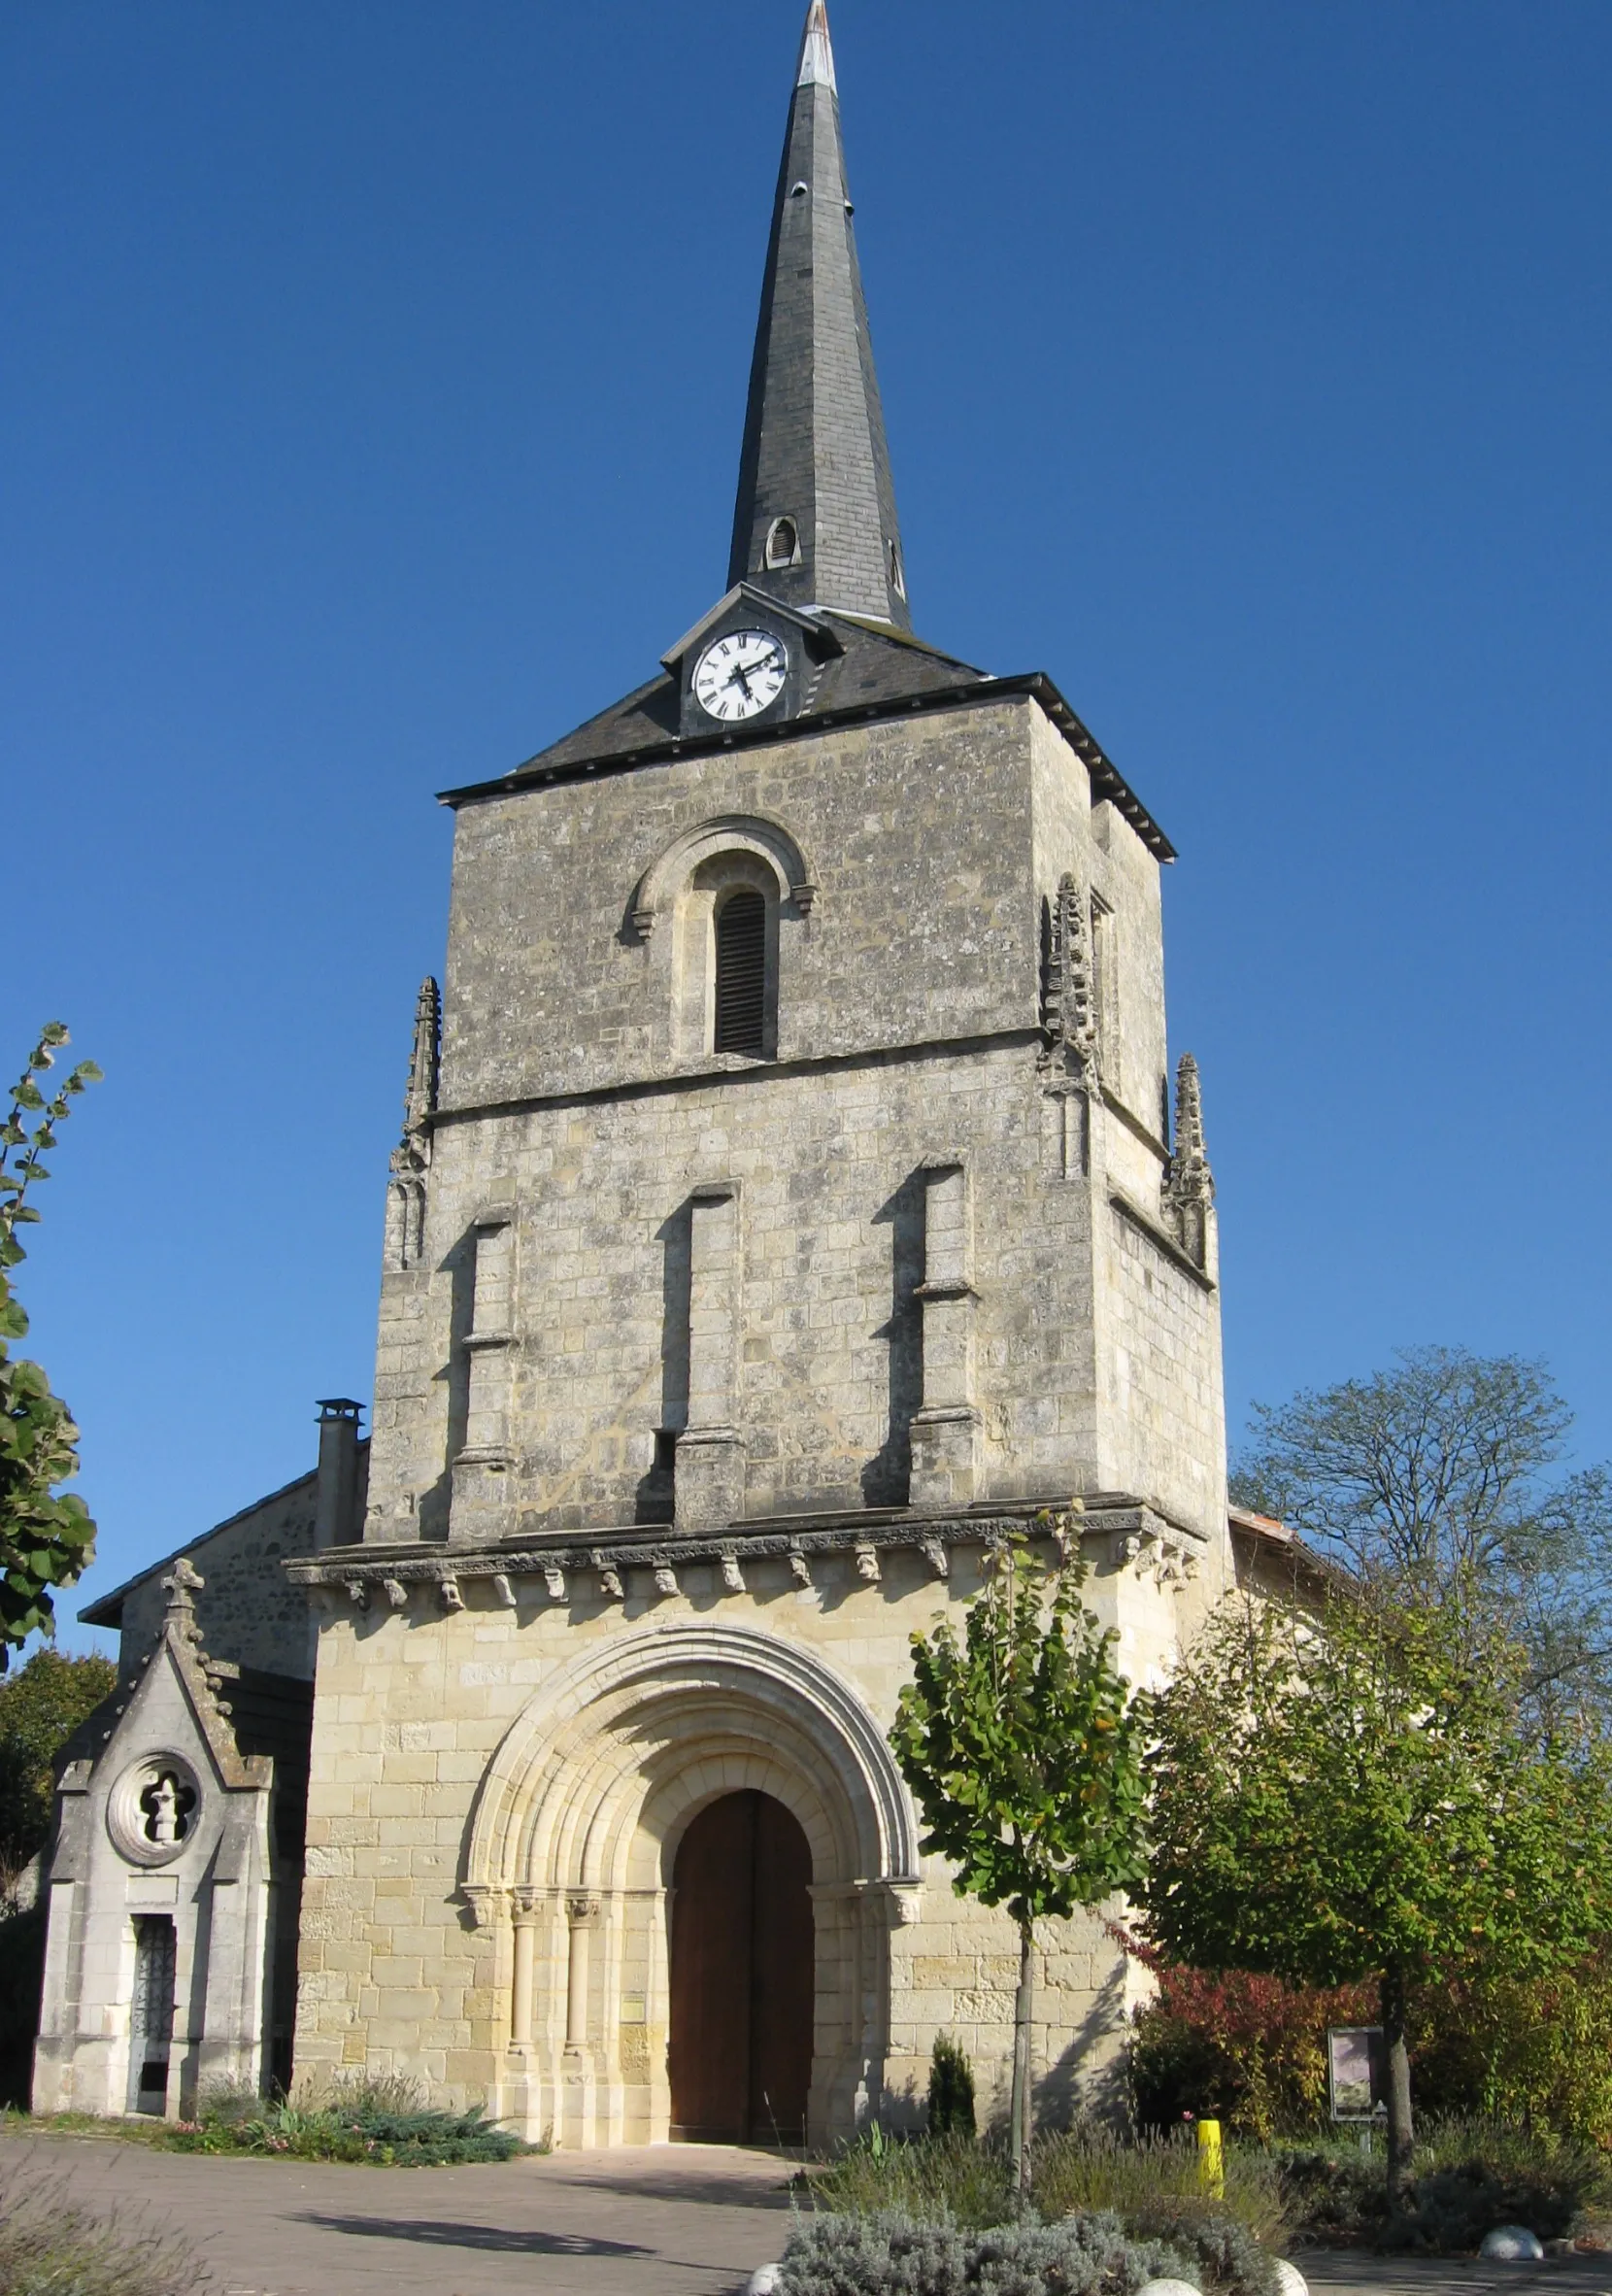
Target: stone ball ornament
column 152, row 1811
column 1289, row 2281
column 1512, row 2244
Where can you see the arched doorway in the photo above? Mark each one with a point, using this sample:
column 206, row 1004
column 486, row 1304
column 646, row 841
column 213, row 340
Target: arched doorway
column 742, row 1974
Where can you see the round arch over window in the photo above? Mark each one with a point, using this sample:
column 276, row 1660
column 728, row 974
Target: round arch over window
column 717, row 907
column 769, row 841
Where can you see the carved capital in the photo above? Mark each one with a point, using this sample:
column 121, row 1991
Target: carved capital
column 487, row 1903
column 904, row 1904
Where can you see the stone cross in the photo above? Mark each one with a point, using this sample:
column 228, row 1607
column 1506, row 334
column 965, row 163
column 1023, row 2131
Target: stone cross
column 181, row 1584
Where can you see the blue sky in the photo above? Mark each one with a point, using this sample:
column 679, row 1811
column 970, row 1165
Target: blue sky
column 373, row 404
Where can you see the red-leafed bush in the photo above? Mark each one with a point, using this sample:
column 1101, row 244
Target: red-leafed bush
column 1247, row 2050
column 1252, row 2052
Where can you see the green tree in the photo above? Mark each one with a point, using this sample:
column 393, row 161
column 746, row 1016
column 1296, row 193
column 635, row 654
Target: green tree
column 1020, row 1744
column 41, row 1705
column 46, row 1538
column 1432, row 1481
column 1362, row 1797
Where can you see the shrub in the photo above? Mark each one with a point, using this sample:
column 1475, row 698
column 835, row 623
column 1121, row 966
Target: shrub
column 1246, row 2050
column 1150, row 2189
column 951, row 2089
column 1533, row 2051
column 1466, row 2176
column 51, row 2247
column 1252, row 2050
column 229, row 2102
column 934, row 2178
column 892, row 2254
column 384, row 2123
column 1153, row 2183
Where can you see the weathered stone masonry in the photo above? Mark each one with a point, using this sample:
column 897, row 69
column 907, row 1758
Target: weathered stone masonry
column 704, row 1379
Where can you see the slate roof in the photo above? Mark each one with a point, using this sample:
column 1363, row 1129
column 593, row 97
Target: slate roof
column 877, row 665
column 880, row 672
column 814, row 447
column 814, row 452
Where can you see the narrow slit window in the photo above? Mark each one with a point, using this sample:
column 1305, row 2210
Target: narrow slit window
column 741, row 1001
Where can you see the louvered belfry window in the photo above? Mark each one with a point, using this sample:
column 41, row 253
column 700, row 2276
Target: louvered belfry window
column 742, row 975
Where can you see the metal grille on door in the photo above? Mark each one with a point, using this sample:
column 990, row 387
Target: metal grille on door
column 152, row 2012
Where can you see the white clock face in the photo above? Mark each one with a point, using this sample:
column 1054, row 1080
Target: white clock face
column 739, row 674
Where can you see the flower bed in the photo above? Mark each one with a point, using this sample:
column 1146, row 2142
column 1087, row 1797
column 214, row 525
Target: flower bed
column 892, row 2254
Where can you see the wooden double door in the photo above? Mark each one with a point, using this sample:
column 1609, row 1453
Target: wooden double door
column 742, row 1975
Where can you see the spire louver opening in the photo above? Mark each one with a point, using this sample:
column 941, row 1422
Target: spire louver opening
column 815, row 460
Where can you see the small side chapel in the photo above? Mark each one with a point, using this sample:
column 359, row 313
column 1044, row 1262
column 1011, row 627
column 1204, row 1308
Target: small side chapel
column 792, row 1200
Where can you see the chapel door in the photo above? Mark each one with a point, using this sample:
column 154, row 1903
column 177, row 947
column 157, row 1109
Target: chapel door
column 152, row 2012
column 742, row 1975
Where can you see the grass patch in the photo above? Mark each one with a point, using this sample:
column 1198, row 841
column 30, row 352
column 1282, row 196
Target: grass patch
column 377, row 2124
column 135, row 2128
column 49, row 2247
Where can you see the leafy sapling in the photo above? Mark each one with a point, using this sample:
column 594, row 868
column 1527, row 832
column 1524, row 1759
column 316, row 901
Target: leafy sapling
column 46, row 1538
column 1022, row 1746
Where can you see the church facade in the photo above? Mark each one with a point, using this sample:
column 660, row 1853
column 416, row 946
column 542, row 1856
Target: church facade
column 794, row 1201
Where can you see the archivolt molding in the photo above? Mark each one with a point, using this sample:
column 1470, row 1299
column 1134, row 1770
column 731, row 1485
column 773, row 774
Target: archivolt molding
column 644, row 1729
column 730, row 832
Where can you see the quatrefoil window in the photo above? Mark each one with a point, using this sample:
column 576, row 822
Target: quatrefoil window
column 153, row 1809
column 167, row 1805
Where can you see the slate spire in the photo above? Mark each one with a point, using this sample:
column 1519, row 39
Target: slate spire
column 814, row 522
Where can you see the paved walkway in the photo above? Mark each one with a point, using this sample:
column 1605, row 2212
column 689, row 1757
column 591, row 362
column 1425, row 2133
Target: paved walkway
column 1346, row 2272
column 660, row 2220
column 664, row 2220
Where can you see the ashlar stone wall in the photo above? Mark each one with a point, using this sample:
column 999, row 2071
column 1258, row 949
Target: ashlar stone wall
column 699, row 1378
column 577, row 1137
column 494, row 1781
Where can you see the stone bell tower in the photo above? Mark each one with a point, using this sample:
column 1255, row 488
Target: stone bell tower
column 792, row 1204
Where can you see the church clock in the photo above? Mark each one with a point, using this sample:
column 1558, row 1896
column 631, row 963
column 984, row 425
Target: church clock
column 740, row 674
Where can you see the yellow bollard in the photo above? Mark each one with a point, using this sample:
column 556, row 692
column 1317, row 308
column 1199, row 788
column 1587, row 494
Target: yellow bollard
column 1211, row 2160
